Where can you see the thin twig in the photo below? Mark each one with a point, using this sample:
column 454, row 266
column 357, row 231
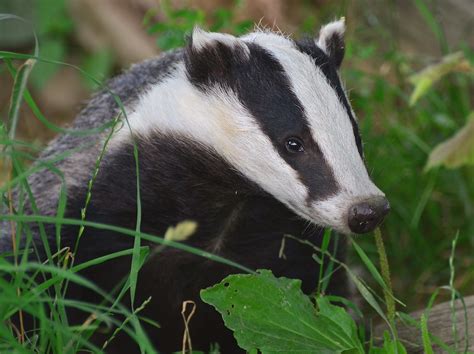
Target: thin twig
column 187, row 319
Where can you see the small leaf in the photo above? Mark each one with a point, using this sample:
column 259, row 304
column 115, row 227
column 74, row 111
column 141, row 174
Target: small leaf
column 426, row 78
column 181, row 232
column 457, row 150
column 273, row 315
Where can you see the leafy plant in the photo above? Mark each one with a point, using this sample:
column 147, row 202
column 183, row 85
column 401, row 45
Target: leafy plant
column 273, row 315
column 54, row 28
column 180, row 22
column 456, row 151
column 459, row 149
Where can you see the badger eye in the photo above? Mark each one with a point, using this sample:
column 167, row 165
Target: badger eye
column 294, row 145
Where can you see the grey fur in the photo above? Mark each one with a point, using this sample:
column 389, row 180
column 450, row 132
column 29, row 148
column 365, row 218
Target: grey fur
column 102, row 108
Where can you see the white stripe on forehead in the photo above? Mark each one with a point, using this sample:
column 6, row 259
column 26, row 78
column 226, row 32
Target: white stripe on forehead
column 330, row 124
column 218, row 120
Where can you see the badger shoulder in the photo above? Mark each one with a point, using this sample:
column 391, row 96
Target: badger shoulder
column 105, row 105
column 75, row 153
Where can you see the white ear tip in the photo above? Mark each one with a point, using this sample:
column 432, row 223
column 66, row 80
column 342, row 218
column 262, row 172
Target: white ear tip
column 329, row 30
column 338, row 27
column 200, row 38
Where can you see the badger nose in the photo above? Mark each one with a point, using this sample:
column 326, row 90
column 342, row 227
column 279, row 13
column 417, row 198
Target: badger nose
column 368, row 214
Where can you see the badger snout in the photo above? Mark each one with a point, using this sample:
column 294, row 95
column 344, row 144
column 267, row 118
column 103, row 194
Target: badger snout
column 365, row 216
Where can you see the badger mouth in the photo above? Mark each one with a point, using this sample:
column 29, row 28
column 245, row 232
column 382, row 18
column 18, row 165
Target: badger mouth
column 361, row 216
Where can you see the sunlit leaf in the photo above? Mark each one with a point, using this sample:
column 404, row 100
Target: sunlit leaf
column 426, row 78
column 457, row 150
column 181, row 232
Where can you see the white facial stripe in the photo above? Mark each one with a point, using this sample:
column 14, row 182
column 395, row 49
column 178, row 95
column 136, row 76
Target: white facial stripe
column 218, row 120
column 331, row 129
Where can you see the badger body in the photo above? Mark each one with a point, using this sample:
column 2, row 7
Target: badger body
column 253, row 138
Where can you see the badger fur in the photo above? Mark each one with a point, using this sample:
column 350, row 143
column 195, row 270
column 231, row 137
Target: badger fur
column 251, row 137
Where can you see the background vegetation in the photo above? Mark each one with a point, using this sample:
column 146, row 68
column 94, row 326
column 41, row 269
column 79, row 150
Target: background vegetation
column 430, row 206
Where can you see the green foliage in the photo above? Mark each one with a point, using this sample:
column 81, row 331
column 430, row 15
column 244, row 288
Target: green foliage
column 98, row 65
column 390, row 346
column 38, row 290
column 273, row 315
column 456, row 151
column 53, row 49
column 459, row 149
column 384, row 267
column 54, row 28
column 426, row 78
column 19, row 86
column 426, row 207
column 53, row 18
column 425, row 335
column 179, row 23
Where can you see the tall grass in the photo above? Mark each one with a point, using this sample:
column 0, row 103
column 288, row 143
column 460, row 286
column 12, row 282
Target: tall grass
column 427, row 208
column 37, row 290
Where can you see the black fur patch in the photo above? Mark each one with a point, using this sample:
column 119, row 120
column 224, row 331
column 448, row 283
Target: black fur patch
column 184, row 180
column 262, row 86
column 336, row 48
column 328, row 67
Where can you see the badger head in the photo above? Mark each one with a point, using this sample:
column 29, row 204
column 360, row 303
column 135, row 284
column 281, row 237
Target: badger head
column 276, row 110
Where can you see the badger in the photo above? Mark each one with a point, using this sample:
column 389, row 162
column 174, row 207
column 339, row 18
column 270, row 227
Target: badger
column 251, row 137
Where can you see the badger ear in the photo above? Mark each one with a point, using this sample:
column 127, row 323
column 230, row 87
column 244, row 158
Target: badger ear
column 201, row 39
column 210, row 56
column 331, row 40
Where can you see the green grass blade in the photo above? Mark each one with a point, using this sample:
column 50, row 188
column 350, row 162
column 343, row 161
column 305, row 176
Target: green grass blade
column 428, row 348
column 373, row 270
column 127, row 232
column 19, row 86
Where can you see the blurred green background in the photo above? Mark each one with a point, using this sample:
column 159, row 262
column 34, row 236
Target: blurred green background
column 387, row 42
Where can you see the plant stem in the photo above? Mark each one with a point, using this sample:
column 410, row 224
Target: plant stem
column 385, row 270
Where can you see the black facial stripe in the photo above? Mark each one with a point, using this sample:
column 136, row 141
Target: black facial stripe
column 329, row 70
column 262, row 86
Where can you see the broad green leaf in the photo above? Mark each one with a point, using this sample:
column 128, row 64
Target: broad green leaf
column 273, row 315
column 426, row 78
column 457, row 150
